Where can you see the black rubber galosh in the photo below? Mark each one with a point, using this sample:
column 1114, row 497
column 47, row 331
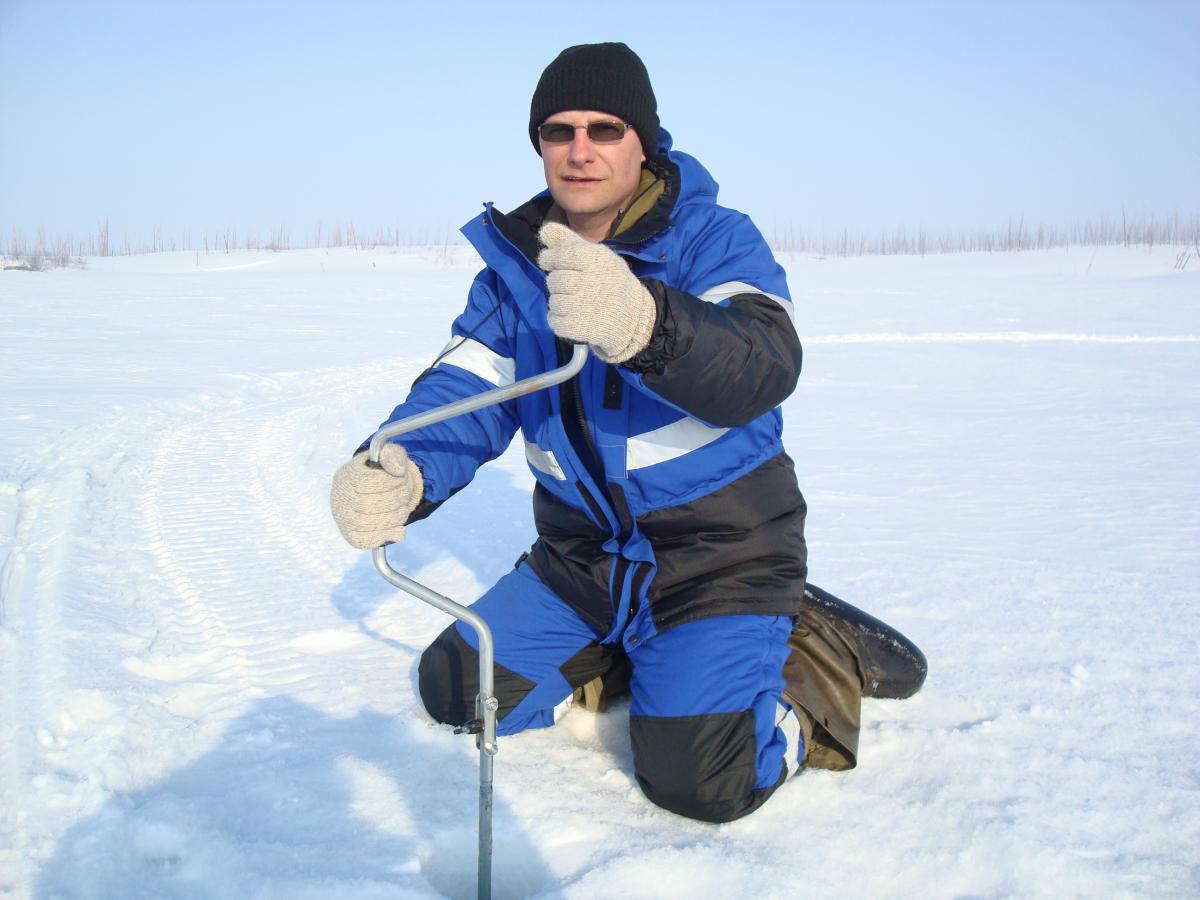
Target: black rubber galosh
column 892, row 666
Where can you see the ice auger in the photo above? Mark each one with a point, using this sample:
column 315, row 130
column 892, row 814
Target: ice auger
column 486, row 704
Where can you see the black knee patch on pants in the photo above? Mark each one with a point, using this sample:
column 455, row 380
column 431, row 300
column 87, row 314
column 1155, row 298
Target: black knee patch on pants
column 448, row 678
column 702, row 767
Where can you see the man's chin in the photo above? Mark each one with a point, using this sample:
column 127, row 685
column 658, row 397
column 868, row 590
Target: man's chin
column 581, row 210
column 577, row 206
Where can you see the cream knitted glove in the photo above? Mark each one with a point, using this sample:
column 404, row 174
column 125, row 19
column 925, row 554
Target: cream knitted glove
column 594, row 298
column 371, row 505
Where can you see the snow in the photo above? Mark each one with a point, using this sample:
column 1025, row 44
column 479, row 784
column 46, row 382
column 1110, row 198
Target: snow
column 205, row 694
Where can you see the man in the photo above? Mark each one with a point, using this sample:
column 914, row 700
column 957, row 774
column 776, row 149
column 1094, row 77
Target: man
column 671, row 558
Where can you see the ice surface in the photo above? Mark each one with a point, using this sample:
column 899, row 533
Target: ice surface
column 206, row 694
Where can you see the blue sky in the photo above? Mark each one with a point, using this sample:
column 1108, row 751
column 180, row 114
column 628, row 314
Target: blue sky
column 869, row 115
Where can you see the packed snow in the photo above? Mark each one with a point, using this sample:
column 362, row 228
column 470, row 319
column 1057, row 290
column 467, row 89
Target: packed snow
column 205, row 694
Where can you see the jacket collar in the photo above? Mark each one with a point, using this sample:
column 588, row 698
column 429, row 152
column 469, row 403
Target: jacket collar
column 521, row 226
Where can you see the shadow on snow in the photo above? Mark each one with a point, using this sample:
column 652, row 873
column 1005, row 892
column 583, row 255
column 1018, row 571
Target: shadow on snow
column 295, row 803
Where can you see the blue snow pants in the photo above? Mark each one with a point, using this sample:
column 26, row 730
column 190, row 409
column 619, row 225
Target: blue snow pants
column 706, row 693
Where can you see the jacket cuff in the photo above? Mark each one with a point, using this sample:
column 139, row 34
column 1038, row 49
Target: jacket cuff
column 664, row 338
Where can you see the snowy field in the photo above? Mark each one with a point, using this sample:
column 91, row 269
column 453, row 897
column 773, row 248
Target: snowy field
column 205, row 694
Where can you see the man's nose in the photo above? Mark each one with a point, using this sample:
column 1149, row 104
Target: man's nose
column 581, row 146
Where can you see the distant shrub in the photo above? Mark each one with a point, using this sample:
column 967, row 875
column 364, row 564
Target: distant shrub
column 1013, row 237
column 41, row 255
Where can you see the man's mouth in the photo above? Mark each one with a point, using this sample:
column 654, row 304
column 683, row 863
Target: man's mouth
column 579, row 179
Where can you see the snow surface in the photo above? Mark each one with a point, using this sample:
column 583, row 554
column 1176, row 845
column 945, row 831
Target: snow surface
column 206, row 694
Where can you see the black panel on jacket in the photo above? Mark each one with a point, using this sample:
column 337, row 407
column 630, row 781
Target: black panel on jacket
column 738, row 550
column 708, row 359
column 569, row 558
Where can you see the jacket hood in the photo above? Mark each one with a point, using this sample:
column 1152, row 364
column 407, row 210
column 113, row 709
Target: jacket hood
column 695, row 182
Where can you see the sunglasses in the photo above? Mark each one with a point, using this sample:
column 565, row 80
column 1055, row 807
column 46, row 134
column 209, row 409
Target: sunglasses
column 597, row 132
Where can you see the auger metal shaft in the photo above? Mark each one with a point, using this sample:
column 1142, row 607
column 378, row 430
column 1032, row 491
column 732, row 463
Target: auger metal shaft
column 486, row 703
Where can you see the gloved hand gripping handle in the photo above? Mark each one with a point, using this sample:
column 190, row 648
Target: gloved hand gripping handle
column 486, row 703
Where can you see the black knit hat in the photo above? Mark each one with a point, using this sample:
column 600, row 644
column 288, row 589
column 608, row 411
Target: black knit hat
column 605, row 77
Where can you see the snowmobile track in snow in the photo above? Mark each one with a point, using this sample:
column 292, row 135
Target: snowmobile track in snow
column 202, row 561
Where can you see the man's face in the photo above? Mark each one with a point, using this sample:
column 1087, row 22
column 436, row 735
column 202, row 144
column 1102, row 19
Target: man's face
column 591, row 182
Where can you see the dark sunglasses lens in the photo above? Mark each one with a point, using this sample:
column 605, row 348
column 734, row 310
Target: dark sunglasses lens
column 606, row 132
column 599, row 132
column 556, row 133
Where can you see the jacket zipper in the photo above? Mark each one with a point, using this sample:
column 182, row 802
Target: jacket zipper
column 639, row 570
column 593, row 464
column 583, row 425
column 621, row 563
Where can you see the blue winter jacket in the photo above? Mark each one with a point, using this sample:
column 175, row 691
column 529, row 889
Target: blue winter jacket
column 663, row 491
